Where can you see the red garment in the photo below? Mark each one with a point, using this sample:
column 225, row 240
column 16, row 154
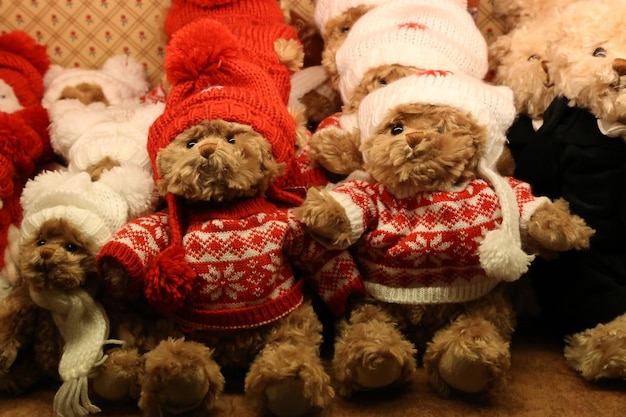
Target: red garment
column 424, row 248
column 244, row 257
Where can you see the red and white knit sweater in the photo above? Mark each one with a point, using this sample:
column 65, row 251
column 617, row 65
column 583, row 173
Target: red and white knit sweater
column 243, row 256
column 424, row 248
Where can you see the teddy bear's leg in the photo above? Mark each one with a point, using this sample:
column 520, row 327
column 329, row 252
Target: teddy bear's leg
column 599, row 352
column 179, row 377
column 288, row 377
column 118, row 377
column 370, row 351
column 472, row 354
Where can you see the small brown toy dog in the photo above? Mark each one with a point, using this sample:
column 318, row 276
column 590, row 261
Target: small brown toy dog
column 435, row 250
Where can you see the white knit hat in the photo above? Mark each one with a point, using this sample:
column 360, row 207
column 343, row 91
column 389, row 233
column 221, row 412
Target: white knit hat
column 421, row 33
column 91, row 206
column 492, row 106
column 326, row 10
column 121, row 78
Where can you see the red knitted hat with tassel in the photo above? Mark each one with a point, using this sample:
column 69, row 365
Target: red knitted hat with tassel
column 23, row 63
column 211, row 79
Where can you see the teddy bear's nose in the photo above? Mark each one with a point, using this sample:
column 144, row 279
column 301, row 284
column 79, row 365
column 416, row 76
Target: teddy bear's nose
column 619, row 66
column 46, row 253
column 206, row 148
column 413, row 139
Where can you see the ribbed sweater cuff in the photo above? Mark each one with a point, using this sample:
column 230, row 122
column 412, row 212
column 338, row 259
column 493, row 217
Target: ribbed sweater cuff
column 128, row 258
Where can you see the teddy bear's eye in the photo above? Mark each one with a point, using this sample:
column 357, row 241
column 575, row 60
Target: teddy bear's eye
column 534, row 57
column 397, row 128
column 71, row 247
column 601, row 52
column 192, row 143
column 41, row 242
column 345, row 29
column 382, row 81
column 230, row 139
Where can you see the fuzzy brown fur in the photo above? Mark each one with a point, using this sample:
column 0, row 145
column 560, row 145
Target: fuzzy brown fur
column 289, row 53
column 513, row 13
column 87, row 93
column 466, row 348
column 334, row 35
column 241, row 163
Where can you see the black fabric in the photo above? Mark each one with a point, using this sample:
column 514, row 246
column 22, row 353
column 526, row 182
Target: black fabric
column 569, row 157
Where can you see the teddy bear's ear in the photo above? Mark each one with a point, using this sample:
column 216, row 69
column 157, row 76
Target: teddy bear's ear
column 126, row 68
column 53, row 72
column 498, row 49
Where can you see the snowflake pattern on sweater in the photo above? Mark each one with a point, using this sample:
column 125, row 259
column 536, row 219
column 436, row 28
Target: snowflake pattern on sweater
column 244, row 256
column 424, row 248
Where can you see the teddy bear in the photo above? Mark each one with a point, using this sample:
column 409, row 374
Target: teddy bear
column 24, row 141
column 437, row 234
column 580, row 156
column 374, row 53
column 223, row 259
column 518, row 60
column 53, row 316
column 513, row 13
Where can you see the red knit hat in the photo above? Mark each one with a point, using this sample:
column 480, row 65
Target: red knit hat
column 22, row 65
column 228, row 12
column 211, row 79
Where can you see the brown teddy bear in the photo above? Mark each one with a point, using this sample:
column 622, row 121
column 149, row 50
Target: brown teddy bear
column 373, row 54
column 222, row 260
column 436, row 233
column 580, row 154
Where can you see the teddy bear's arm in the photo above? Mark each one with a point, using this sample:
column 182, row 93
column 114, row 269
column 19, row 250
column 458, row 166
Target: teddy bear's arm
column 553, row 227
column 333, row 274
column 123, row 260
column 18, row 319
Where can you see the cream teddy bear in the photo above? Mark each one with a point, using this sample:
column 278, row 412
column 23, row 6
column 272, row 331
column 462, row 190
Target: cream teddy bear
column 436, row 232
column 580, row 155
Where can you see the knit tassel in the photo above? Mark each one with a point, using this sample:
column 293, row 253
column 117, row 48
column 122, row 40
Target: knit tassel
column 500, row 253
column 169, row 278
column 72, row 399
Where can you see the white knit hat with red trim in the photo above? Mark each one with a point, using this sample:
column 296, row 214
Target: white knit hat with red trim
column 492, row 106
column 326, row 10
column 420, row 33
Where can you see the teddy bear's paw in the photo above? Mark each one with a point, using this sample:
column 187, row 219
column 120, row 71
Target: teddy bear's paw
column 286, row 398
column 290, row 53
column 337, row 150
column 600, row 352
column 370, row 356
column 289, row 380
column 180, row 377
column 115, row 276
column 554, row 228
column 469, row 357
column 8, row 354
column 118, row 376
column 326, row 219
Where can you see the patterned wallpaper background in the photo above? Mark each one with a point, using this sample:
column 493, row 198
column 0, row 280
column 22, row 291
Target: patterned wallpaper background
column 84, row 33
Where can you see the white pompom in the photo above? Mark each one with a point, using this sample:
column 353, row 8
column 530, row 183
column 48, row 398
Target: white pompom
column 501, row 257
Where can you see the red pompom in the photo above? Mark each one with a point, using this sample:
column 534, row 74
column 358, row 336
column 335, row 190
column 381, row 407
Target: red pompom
column 169, row 279
column 199, row 48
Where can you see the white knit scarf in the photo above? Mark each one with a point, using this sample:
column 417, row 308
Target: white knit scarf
column 84, row 327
